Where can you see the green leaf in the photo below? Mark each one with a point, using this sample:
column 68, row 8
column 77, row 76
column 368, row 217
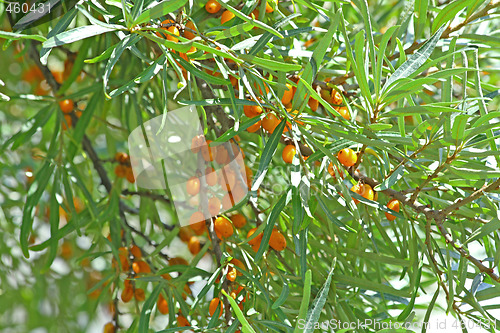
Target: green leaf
column 283, row 296
column 246, row 328
column 429, row 109
column 83, row 123
column 415, row 60
column 15, row 36
column 267, row 36
column 147, row 308
column 61, row 25
column 35, row 192
column 404, row 314
column 483, row 231
column 30, row 128
column 369, row 285
column 75, row 34
column 124, row 44
column 314, row 63
column 448, row 13
column 270, row 223
column 269, row 64
column 160, row 9
column 306, row 295
column 332, row 218
column 391, row 180
column 267, row 155
column 318, row 303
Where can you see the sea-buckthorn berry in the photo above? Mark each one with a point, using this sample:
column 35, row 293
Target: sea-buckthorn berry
column 347, row 157
column 194, row 245
column 288, row 153
column 344, row 112
column 216, row 302
column 255, row 127
column 239, row 221
column 210, row 176
column 226, row 16
column 182, row 321
column 139, row 294
column 231, row 274
column 67, row 105
column 207, row 152
column 287, row 94
column 193, row 186
column 214, row 206
column 212, row 6
column 270, row 122
column 223, row 228
column 277, row 241
column 394, row 205
column 127, row 294
column 332, row 172
column 162, row 305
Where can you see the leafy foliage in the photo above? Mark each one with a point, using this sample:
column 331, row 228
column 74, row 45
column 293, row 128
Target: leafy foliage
column 410, row 87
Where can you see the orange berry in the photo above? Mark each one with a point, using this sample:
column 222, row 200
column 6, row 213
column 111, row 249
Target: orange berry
column 130, row 175
column 394, row 205
column 178, row 261
column 223, row 228
column 214, row 206
column 269, row 8
column 255, row 127
column 313, row 104
column 67, row 122
column 216, row 302
column 127, row 294
column 336, row 97
column 207, row 152
column 164, row 23
column 182, row 321
column 185, row 234
column 196, row 143
column 139, row 294
column 197, row 223
column 343, row 112
column 136, row 252
column 331, row 172
column 187, row 33
column 231, row 274
column 174, row 31
column 270, row 122
column 221, row 156
column 257, row 239
column 194, row 245
column 109, row 328
column 162, row 305
column 227, row 179
column 288, row 94
column 227, row 201
column 122, row 158
column 277, row 241
column 238, row 263
column 121, row 171
column 226, row 16
column 238, row 220
column 368, row 192
column 347, row 157
column 193, row 186
column 141, row 267
column 212, row 6
column 288, row 153
column 210, row 176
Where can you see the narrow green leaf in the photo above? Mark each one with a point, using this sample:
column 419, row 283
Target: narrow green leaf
column 159, row 9
column 267, row 155
column 391, row 180
column 448, row 13
column 246, row 328
column 15, row 36
column 74, row 35
column 60, row 26
column 283, row 296
column 147, row 308
column 415, row 60
column 270, row 223
column 306, row 295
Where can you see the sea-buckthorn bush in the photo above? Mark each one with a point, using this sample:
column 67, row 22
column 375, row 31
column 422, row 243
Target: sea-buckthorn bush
column 369, row 131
